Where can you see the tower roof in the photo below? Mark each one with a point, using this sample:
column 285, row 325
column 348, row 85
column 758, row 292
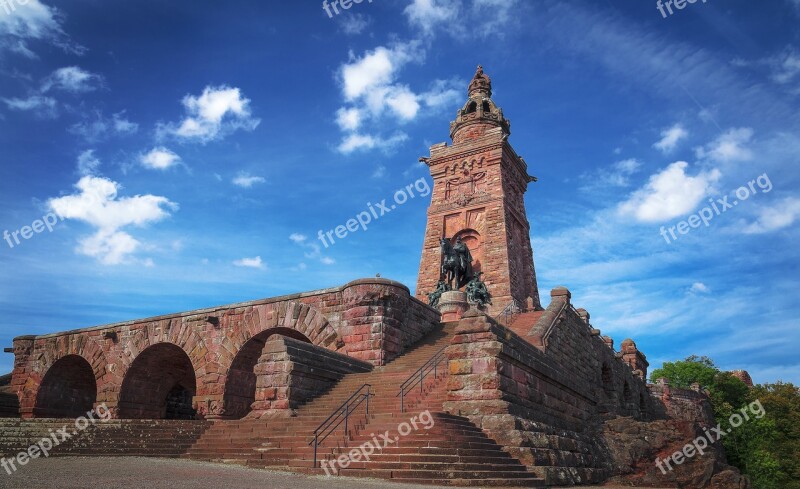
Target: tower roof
column 481, row 84
column 480, row 112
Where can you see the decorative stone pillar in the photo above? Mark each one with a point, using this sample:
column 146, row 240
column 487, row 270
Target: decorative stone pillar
column 453, row 304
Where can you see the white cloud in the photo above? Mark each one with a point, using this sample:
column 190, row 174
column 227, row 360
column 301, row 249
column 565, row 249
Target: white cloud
column 353, row 24
column 729, row 147
column 97, row 203
column 20, row 23
column 100, row 127
column 355, row 142
column 38, row 104
column 670, row 138
column 217, row 112
column 668, row 194
column 699, row 287
column 427, row 15
column 72, row 79
column 779, row 216
column 348, row 119
column 250, row 263
column 314, row 251
column 379, row 172
column 87, row 163
column 618, row 175
column 246, row 180
column 159, row 158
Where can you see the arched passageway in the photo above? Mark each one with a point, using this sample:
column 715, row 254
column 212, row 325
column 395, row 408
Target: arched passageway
column 240, row 384
column 68, row 389
column 159, row 384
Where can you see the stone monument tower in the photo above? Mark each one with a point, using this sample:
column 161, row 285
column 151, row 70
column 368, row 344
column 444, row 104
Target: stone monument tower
column 478, row 196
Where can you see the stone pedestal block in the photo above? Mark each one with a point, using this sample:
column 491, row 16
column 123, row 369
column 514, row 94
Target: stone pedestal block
column 453, row 305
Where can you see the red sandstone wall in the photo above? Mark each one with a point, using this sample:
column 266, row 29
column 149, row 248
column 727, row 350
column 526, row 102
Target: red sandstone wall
column 372, row 320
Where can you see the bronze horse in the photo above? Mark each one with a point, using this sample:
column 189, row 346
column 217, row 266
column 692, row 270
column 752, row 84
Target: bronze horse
column 453, row 267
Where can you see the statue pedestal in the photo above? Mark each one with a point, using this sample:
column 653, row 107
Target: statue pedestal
column 453, row 305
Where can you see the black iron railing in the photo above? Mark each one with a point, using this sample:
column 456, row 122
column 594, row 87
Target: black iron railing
column 418, row 377
column 340, row 415
column 506, row 316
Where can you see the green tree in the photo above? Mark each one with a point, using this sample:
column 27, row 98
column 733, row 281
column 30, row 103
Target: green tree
column 767, row 445
column 684, row 373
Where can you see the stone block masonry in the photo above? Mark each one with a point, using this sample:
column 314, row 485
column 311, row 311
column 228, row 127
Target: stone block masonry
column 202, row 363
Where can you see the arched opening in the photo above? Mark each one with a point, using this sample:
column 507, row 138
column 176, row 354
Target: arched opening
column 473, row 240
column 68, row 389
column 627, row 398
column 240, row 385
column 472, row 107
column 486, row 106
column 160, row 384
column 608, row 378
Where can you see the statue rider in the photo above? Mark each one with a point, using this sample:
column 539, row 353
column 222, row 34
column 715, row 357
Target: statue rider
column 464, row 260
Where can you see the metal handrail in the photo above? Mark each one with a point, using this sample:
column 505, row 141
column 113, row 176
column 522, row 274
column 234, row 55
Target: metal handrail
column 508, row 312
column 419, row 376
column 341, row 415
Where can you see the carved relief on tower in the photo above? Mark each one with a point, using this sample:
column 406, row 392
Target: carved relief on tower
column 465, row 182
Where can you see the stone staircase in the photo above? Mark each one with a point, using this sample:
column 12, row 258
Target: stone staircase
column 115, row 437
column 452, row 451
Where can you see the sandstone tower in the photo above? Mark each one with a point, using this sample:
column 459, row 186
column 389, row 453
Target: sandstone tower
column 478, row 196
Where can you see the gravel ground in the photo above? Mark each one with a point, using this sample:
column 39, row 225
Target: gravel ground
column 156, row 473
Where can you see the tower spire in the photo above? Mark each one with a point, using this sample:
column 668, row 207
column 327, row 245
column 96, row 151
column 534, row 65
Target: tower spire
column 480, row 113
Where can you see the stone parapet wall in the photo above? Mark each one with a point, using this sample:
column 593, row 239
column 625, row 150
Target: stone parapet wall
column 373, row 320
column 291, row 372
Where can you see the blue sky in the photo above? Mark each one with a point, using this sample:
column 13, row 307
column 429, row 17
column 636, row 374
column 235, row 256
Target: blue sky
column 193, row 150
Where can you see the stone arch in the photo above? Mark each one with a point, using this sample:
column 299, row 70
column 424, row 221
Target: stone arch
column 240, row 381
column 176, row 331
column 159, row 384
column 68, row 389
column 242, row 346
column 49, row 352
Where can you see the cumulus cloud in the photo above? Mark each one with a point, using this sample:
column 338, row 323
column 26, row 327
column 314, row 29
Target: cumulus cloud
column 669, row 194
column 354, row 142
column 670, row 138
column 96, row 202
column 245, row 180
column 255, row 262
column 72, row 79
column 159, row 158
column 781, row 215
column 372, row 92
column 729, row 147
column 430, row 14
column 215, row 113
column 699, row 288
column 87, row 163
column 21, row 23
